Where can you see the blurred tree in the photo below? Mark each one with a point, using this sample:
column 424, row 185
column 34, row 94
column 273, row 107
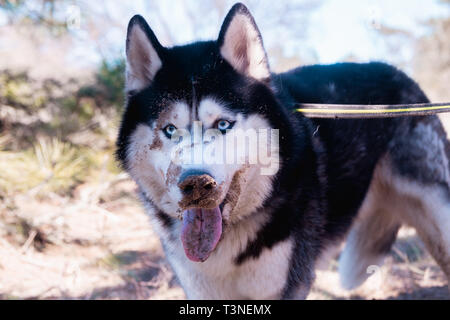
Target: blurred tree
column 38, row 12
column 427, row 57
column 108, row 88
column 280, row 22
column 33, row 24
column 432, row 58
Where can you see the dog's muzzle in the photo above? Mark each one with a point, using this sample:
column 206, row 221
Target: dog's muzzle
column 202, row 217
column 199, row 190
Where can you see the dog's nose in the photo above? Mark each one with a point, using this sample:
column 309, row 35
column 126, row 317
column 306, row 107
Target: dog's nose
column 197, row 184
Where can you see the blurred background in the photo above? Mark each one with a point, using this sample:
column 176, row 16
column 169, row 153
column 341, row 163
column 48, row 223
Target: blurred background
column 70, row 224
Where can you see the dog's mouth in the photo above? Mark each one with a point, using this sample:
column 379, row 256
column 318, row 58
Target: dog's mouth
column 201, row 232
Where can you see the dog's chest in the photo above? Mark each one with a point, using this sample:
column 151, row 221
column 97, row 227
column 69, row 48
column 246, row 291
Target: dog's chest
column 221, row 277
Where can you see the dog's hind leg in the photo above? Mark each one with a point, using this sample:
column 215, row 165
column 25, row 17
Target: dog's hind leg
column 429, row 213
column 371, row 236
column 419, row 163
column 411, row 185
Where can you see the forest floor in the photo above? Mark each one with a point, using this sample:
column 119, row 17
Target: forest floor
column 76, row 248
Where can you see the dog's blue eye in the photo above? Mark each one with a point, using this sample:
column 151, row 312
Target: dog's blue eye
column 223, row 125
column 169, row 130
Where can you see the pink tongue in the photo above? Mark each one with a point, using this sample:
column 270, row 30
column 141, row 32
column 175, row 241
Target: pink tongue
column 201, row 231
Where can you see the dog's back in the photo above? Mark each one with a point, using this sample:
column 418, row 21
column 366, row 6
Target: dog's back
column 353, row 146
column 380, row 172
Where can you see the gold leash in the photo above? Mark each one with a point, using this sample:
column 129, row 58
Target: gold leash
column 312, row 110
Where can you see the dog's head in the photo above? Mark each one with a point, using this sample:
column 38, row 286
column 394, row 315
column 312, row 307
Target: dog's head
column 200, row 131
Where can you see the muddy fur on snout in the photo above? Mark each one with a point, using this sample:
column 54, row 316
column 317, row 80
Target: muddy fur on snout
column 203, row 192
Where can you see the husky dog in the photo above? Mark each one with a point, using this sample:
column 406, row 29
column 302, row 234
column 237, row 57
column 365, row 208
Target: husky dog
column 247, row 229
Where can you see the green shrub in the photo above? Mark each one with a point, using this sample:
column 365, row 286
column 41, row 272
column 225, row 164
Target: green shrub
column 50, row 166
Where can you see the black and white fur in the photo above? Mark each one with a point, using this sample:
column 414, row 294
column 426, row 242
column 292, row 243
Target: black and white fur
column 354, row 179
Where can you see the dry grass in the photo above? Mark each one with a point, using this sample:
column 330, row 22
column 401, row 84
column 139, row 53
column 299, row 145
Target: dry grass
column 50, row 166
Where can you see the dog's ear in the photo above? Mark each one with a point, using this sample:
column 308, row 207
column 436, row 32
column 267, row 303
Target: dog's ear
column 241, row 44
column 143, row 54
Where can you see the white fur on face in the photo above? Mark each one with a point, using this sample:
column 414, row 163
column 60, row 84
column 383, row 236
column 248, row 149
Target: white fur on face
column 243, row 48
column 210, row 110
column 149, row 159
column 243, row 182
column 151, row 162
column 142, row 60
